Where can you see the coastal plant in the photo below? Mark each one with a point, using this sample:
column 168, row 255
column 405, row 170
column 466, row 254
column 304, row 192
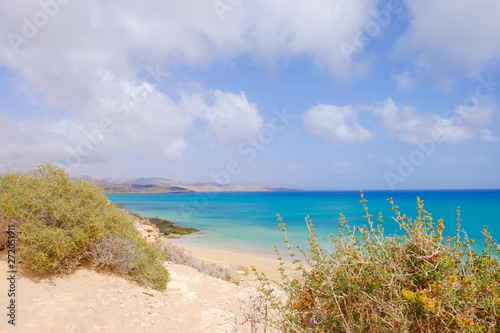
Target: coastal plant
column 61, row 222
column 180, row 256
column 252, row 315
column 419, row 281
column 113, row 252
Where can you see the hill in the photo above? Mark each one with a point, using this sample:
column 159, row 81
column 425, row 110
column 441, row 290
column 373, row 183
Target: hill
column 164, row 185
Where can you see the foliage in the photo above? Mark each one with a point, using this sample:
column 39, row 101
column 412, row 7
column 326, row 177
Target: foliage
column 168, row 228
column 113, row 252
column 180, row 256
column 416, row 282
column 60, row 222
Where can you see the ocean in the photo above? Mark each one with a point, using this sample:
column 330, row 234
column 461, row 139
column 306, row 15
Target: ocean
column 246, row 222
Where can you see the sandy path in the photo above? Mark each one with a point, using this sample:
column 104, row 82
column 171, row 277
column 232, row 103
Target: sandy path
column 87, row 301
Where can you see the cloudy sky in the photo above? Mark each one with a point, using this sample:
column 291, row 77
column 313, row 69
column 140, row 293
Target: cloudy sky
column 338, row 94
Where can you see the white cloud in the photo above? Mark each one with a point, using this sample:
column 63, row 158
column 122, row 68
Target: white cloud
column 111, row 31
column 79, row 62
column 90, row 62
column 154, row 126
column 339, row 124
column 91, row 58
column 336, row 124
column 449, row 132
column 478, row 115
column 402, row 123
column 488, row 136
column 409, row 127
column 231, row 118
column 403, row 80
column 141, row 122
column 26, row 143
column 451, row 36
column 315, row 29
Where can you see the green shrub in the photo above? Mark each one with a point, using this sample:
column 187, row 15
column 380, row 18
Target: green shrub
column 60, row 222
column 417, row 282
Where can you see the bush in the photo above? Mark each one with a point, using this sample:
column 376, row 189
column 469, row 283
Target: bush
column 180, row 256
column 417, row 282
column 60, row 222
column 113, row 252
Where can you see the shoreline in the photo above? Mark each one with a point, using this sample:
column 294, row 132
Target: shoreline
column 197, row 240
column 244, row 258
column 266, row 265
column 90, row 299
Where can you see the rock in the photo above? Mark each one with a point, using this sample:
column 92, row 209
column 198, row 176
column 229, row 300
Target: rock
column 235, row 278
column 245, row 269
column 148, row 232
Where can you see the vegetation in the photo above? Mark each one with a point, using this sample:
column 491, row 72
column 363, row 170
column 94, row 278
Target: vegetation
column 180, row 256
column 419, row 281
column 168, row 228
column 62, row 222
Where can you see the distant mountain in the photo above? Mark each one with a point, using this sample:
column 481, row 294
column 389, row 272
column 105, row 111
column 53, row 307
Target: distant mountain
column 145, row 181
column 164, row 185
column 283, row 189
column 142, row 189
column 128, row 181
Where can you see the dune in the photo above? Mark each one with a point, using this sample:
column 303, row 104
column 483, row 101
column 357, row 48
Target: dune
column 91, row 301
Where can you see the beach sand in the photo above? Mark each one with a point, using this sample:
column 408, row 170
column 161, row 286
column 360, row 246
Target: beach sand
column 90, row 301
column 269, row 266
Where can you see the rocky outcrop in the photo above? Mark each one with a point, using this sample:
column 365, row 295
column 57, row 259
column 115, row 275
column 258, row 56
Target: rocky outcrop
column 147, row 231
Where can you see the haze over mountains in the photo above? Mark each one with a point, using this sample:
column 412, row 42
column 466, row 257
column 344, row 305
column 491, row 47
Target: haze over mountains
column 164, row 185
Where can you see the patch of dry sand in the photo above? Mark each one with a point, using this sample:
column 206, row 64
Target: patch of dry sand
column 269, row 266
column 88, row 301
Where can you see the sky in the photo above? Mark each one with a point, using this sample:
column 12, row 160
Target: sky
column 338, row 94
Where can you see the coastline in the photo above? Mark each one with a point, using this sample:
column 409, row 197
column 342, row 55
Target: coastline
column 241, row 222
column 243, row 259
column 89, row 299
column 263, row 264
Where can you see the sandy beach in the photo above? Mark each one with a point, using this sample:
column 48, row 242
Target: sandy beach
column 266, row 265
column 90, row 301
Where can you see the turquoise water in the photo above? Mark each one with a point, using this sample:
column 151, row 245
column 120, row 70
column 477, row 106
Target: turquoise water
column 246, row 222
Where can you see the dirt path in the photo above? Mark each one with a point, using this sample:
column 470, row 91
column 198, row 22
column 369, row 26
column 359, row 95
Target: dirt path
column 87, row 301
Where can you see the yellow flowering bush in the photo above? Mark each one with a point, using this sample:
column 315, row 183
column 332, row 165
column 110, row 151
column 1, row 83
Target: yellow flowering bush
column 419, row 281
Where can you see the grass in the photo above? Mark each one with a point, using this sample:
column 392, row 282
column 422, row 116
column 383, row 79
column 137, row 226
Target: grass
column 419, row 281
column 61, row 223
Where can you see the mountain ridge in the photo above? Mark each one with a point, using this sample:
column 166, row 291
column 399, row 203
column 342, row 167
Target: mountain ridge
column 165, row 185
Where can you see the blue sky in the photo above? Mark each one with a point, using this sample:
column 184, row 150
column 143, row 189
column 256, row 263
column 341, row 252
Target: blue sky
column 321, row 94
